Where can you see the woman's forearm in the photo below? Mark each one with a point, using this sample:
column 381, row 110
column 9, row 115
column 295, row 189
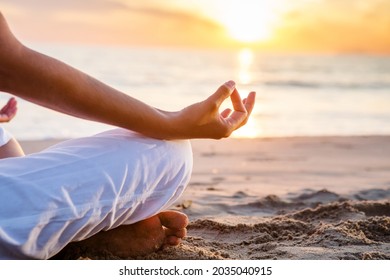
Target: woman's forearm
column 55, row 85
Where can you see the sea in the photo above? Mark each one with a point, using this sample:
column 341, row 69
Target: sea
column 297, row 94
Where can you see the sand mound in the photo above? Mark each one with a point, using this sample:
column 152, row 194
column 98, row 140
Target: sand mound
column 301, row 228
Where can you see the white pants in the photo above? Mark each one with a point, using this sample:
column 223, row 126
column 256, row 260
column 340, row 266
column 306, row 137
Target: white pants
column 77, row 188
column 5, row 136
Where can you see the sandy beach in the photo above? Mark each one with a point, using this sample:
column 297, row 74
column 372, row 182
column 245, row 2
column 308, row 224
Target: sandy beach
column 282, row 198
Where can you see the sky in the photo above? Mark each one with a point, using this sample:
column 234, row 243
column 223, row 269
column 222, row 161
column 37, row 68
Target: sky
column 356, row 26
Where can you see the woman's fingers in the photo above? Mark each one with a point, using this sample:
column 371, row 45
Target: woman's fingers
column 242, row 111
column 224, row 123
column 8, row 111
column 250, row 102
column 226, row 113
column 11, row 103
column 237, row 102
column 222, row 93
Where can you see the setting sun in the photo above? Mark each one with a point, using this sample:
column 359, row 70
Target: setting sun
column 250, row 20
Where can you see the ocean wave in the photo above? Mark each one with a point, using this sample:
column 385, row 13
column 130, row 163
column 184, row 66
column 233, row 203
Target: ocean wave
column 330, row 85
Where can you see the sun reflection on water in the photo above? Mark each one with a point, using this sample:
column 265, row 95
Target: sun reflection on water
column 245, row 61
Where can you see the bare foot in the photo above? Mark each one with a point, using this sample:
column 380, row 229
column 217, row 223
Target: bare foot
column 142, row 238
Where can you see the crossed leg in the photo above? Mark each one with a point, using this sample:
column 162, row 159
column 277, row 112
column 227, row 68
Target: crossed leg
column 120, row 187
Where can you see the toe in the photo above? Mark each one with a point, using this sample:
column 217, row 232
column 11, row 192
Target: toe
column 180, row 233
column 173, row 220
column 172, row 241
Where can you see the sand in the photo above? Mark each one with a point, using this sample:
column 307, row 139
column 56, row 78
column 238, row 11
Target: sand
column 299, row 198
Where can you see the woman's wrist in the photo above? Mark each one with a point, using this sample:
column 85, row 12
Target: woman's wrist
column 171, row 126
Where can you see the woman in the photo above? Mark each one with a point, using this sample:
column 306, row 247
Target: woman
column 109, row 191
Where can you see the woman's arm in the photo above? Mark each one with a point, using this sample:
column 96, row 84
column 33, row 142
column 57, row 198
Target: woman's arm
column 58, row 86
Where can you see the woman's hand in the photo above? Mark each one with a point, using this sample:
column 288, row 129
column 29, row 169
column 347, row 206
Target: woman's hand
column 8, row 112
column 204, row 119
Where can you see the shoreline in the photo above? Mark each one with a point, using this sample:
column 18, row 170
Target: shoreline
column 35, row 145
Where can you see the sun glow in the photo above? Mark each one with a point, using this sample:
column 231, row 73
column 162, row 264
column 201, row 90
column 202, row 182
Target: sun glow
column 249, row 20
